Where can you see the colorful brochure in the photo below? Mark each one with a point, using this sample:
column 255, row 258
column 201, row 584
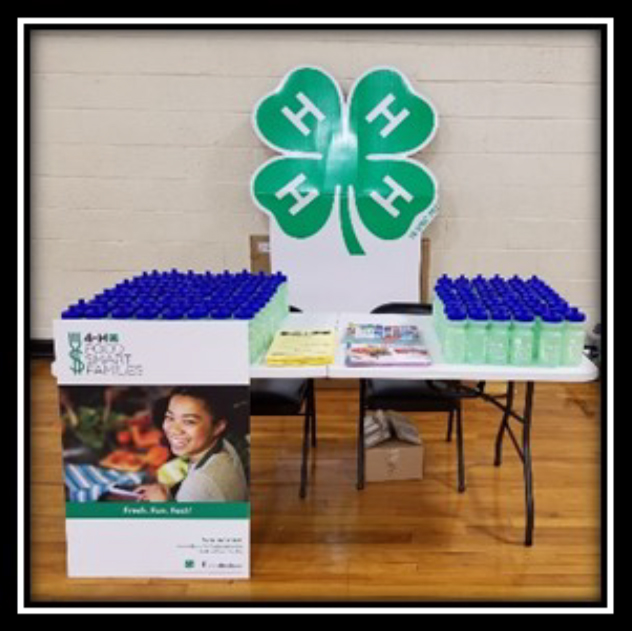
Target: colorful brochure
column 382, row 333
column 387, row 355
column 385, row 345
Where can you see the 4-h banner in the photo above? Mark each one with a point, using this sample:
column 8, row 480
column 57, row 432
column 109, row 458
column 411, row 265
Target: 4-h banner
column 155, row 447
column 347, row 203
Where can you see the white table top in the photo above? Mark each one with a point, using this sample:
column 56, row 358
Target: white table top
column 439, row 369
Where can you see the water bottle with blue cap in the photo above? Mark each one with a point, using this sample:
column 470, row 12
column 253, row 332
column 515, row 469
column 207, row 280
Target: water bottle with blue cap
column 550, row 344
column 455, row 341
column 573, row 338
column 521, row 342
column 498, row 336
column 476, row 335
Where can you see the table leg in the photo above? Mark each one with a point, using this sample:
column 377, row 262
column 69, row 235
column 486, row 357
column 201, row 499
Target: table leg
column 528, row 472
column 523, row 450
column 312, row 402
column 503, row 424
column 450, row 421
column 360, row 474
column 306, row 436
column 459, row 446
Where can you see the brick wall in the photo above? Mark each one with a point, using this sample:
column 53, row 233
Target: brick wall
column 142, row 149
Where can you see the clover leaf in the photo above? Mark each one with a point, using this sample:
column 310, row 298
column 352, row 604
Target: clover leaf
column 351, row 156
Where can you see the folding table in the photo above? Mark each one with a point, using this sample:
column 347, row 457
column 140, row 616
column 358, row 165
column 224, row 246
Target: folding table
column 440, row 370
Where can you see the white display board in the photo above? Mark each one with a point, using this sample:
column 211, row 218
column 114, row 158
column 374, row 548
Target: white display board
column 323, row 277
column 155, row 419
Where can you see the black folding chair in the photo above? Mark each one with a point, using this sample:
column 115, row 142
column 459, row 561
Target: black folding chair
column 410, row 396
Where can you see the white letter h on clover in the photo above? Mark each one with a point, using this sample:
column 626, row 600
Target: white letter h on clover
column 394, row 120
column 291, row 188
column 296, row 118
column 397, row 191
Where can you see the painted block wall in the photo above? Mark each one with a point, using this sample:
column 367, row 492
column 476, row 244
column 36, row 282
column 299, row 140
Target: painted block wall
column 142, row 149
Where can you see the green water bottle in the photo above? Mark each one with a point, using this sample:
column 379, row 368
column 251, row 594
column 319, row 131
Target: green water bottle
column 266, row 322
column 437, row 312
column 282, row 294
column 538, row 310
column 550, row 344
column 258, row 343
column 441, row 300
column 476, row 339
column 498, row 337
column 454, row 339
column 573, row 338
column 521, row 342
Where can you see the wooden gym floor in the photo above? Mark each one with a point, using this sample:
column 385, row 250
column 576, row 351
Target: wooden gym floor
column 406, row 542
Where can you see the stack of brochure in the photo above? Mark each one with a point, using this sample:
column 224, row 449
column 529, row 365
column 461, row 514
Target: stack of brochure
column 385, row 345
column 313, row 347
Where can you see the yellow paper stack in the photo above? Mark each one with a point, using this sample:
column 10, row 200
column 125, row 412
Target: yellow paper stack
column 302, row 347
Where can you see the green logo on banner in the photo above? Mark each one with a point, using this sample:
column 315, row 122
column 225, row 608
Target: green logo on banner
column 76, row 354
column 349, row 156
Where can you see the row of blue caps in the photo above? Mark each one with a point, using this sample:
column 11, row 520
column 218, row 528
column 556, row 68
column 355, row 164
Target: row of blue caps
column 174, row 295
column 503, row 299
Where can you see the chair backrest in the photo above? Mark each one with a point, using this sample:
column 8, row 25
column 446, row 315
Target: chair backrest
column 411, row 308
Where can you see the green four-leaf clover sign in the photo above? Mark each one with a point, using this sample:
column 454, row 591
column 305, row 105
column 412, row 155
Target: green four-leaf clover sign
column 351, row 155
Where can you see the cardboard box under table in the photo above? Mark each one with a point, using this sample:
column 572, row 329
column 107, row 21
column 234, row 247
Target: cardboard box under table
column 393, row 448
column 394, row 460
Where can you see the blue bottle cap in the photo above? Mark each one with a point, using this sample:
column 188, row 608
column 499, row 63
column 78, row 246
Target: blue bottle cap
column 197, row 312
column 220, row 314
column 95, row 312
column 523, row 315
column 480, row 315
column 172, row 313
column 559, row 304
column 451, row 303
column 121, row 313
column 455, row 312
column 445, row 293
column 243, row 314
column 551, row 316
column 575, row 315
column 144, row 313
column 501, row 314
